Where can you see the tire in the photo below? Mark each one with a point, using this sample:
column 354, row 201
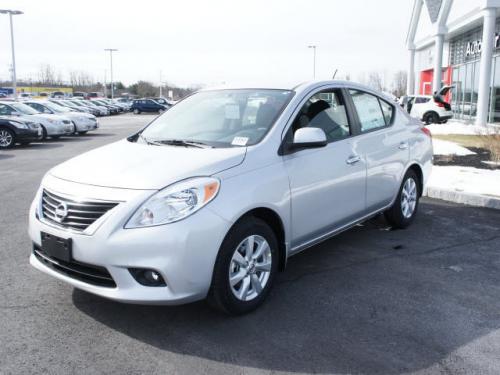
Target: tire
column 44, row 133
column 74, row 129
column 136, row 111
column 431, row 118
column 82, row 133
column 403, row 211
column 444, row 121
column 7, row 138
column 222, row 295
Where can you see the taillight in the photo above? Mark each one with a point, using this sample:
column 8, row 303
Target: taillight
column 426, row 131
column 439, row 104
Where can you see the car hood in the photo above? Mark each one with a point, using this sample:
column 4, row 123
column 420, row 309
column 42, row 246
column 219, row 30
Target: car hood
column 131, row 165
column 75, row 115
column 46, row 116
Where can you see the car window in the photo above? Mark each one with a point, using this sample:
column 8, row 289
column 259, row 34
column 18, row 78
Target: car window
column 369, row 110
column 325, row 110
column 387, row 110
column 5, row 110
column 421, row 100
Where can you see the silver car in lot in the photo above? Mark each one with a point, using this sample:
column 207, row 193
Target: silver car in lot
column 83, row 122
column 53, row 126
column 211, row 198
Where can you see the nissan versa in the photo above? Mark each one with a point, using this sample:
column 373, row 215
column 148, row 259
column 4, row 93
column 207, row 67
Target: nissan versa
column 211, row 198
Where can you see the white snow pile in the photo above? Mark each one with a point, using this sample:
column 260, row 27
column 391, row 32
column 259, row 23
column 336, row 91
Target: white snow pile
column 456, row 127
column 466, row 180
column 449, row 148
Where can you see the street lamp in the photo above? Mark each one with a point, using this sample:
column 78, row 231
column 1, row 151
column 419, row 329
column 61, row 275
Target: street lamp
column 111, row 50
column 12, row 13
column 314, row 60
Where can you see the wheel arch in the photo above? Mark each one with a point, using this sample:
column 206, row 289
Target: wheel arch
column 415, row 167
column 271, row 218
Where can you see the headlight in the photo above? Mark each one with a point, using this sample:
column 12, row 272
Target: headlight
column 175, row 202
column 18, row 125
column 33, row 125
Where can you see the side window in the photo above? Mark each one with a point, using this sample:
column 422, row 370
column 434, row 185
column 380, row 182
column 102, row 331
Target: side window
column 325, row 110
column 369, row 110
column 4, row 110
column 387, row 110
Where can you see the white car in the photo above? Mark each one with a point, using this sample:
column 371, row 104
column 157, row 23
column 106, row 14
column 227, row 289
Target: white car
column 431, row 109
column 53, row 126
column 83, row 122
column 211, row 198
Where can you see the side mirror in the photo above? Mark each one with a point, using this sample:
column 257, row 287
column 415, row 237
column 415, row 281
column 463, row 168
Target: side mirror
column 309, row 138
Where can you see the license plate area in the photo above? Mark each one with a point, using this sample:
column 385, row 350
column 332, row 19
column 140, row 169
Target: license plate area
column 56, row 247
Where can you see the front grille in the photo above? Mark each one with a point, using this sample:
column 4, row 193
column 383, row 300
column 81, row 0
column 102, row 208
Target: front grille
column 87, row 273
column 80, row 214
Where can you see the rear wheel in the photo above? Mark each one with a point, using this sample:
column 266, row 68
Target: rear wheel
column 7, row 138
column 245, row 267
column 431, row 118
column 136, row 111
column 404, row 209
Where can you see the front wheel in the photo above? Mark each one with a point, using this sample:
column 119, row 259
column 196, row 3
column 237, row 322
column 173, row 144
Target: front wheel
column 245, row 267
column 404, row 209
column 7, row 138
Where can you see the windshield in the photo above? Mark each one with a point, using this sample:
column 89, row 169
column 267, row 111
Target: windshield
column 55, row 107
column 23, row 108
column 222, row 118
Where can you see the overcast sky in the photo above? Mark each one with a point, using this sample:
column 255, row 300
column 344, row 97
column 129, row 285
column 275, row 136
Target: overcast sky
column 208, row 41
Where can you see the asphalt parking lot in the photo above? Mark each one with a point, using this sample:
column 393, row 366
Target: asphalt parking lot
column 372, row 300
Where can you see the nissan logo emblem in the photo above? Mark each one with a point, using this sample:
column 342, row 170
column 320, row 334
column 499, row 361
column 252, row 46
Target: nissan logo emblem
column 61, row 212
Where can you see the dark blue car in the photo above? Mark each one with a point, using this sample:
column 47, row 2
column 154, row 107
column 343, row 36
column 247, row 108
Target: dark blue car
column 147, row 105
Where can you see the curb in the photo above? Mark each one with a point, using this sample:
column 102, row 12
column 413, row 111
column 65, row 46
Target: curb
column 470, row 199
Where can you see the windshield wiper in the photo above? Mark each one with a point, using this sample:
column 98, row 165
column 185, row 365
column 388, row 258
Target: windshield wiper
column 181, row 142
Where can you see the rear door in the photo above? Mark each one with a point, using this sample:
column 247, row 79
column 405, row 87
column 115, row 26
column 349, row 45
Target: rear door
column 383, row 143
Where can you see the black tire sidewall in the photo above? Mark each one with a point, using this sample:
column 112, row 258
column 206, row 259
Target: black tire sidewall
column 220, row 295
column 395, row 214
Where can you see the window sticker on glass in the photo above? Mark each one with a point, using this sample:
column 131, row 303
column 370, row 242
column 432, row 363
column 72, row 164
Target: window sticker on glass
column 232, row 111
column 239, row 141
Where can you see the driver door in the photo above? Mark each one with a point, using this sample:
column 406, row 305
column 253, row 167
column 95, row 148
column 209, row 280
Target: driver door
column 328, row 184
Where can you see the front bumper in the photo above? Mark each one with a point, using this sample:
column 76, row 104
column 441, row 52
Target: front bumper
column 87, row 125
column 183, row 253
column 28, row 135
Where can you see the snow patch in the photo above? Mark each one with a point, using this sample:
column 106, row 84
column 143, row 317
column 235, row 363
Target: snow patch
column 449, row 148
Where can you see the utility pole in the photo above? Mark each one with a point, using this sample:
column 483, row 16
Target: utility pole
column 14, row 79
column 160, row 83
column 111, row 50
column 314, row 59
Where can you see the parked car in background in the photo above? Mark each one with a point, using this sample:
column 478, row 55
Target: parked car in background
column 83, row 122
column 53, row 126
column 80, row 94
column 95, row 94
column 124, row 104
column 113, row 109
column 431, row 109
column 147, row 105
column 18, row 130
column 211, row 198
column 58, row 95
column 103, row 111
column 162, row 101
column 69, row 105
column 80, row 103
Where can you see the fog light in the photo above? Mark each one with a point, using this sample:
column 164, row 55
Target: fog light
column 147, row 277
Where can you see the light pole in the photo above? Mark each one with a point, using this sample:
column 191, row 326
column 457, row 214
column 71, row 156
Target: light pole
column 314, row 59
column 14, row 79
column 111, row 50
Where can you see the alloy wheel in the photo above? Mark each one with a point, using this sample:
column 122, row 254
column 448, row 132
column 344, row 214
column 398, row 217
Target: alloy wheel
column 409, row 198
column 250, row 268
column 6, row 138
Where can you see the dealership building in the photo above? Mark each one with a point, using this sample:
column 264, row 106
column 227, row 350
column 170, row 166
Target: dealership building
column 460, row 40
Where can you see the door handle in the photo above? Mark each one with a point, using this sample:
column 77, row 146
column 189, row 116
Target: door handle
column 353, row 159
column 403, row 145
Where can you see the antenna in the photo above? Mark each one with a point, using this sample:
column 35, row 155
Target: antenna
column 335, row 73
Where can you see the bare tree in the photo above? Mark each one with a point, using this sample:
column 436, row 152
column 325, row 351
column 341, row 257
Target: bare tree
column 399, row 83
column 47, row 75
column 375, row 81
